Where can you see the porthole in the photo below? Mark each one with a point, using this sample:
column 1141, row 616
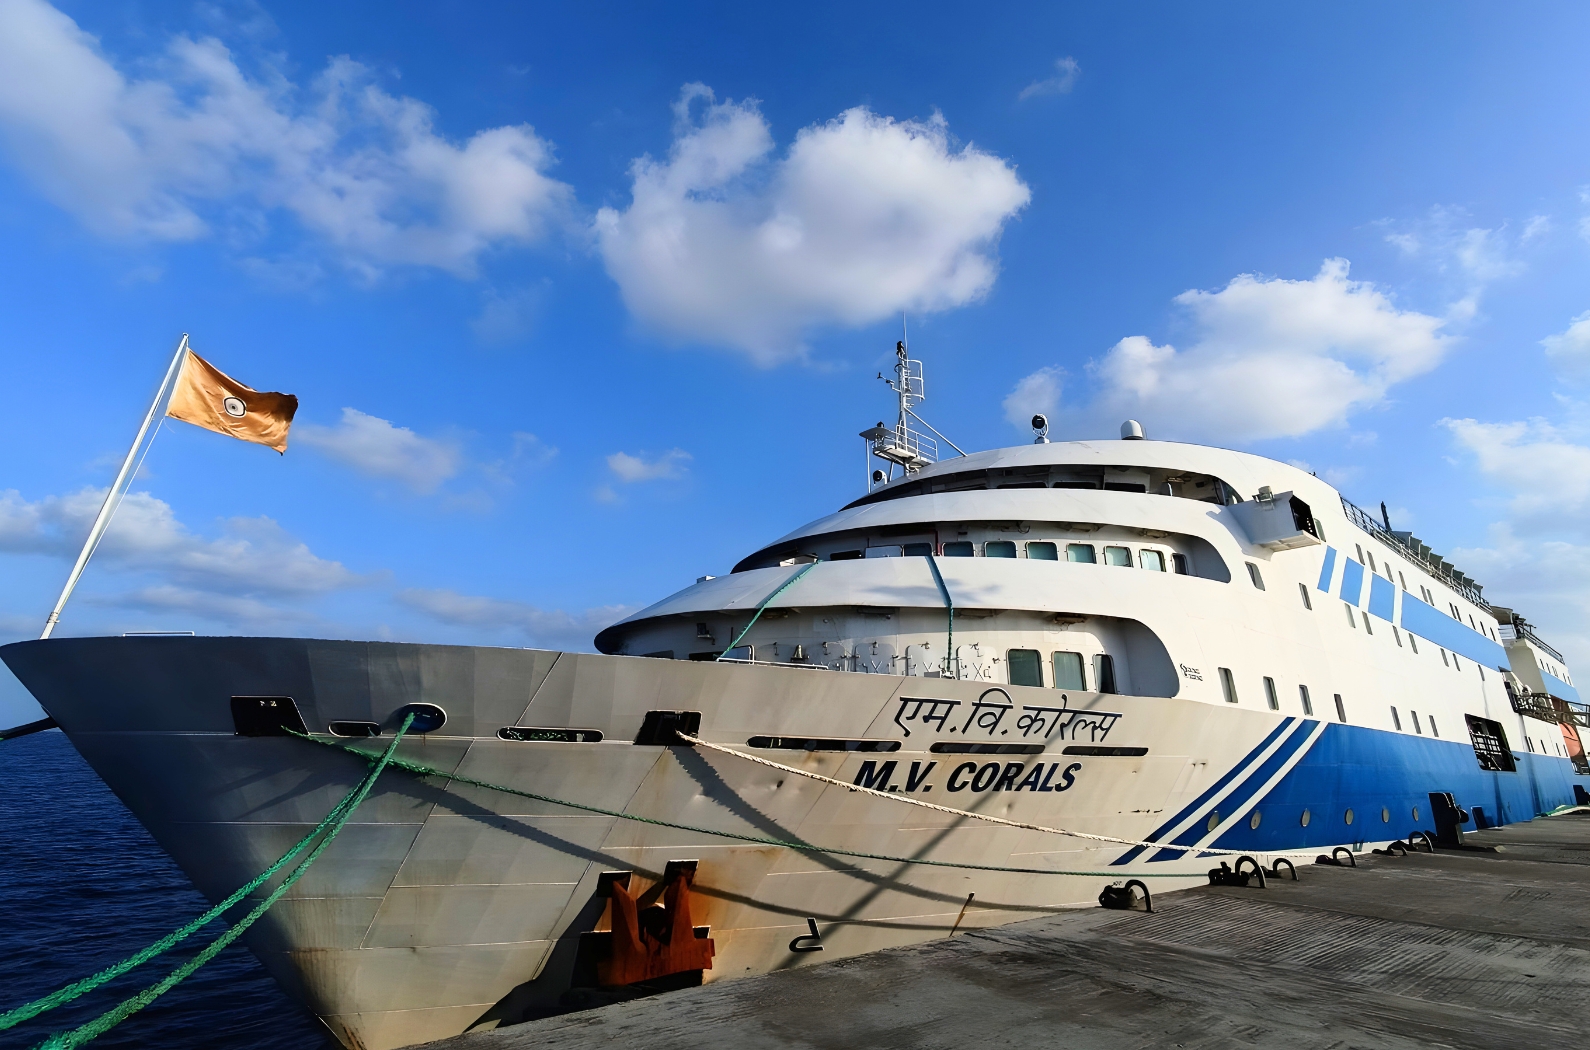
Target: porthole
column 1415, row 812
column 1306, row 818
column 1253, row 821
column 1385, row 815
column 1348, row 816
column 1214, row 820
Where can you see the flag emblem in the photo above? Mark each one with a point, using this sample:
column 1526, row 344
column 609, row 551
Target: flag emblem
column 209, row 398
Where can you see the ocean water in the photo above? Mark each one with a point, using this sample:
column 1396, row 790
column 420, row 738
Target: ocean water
column 82, row 885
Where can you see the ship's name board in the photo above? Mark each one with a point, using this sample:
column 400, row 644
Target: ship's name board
column 986, row 716
column 970, row 776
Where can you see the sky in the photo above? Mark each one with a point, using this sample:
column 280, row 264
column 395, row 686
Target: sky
column 582, row 302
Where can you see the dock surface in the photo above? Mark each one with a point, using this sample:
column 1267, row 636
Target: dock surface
column 1483, row 950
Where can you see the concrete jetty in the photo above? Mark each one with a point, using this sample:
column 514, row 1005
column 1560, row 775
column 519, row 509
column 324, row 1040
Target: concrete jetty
column 1454, row 949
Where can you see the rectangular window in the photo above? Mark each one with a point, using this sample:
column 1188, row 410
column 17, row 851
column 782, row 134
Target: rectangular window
column 1490, row 745
column 1360, row 551
column 1025, row 666
column 1179, row 562
column 1154, row 560
column 1269, row 694
column 1228, row 685
column 1118, row 556
column 1456, row 664
column 1068, row 672
column 1397, row 635
column 917, row 550
column 1395, row 721
column 1432, row 727
column 1106, row 673
column 1302, row 589
column 1352, row 621
column 890, row 551
column 1368, row 629
column 1308, row 701
column 1402, row 579
column 958, row 549
column 1372, row 562
column 999, row 549
column 1253, row 574
column 1444, row 661
column 1341, row 709
column 1082, row 552
column 1042, row 551
column 845, row 555
column 1415, row 716
column 1415, row 643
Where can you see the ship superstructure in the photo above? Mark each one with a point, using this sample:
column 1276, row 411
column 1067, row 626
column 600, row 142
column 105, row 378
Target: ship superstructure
column 1130, row 652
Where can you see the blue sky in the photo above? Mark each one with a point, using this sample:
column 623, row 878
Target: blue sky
column 582, row 303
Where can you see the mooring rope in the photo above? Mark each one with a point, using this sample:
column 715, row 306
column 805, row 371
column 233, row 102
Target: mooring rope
column 806, row 847
column 896, row 797
column 331, row 826
column 786, row 585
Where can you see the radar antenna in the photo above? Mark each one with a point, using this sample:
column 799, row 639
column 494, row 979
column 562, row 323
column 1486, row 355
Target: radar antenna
column 903, row 445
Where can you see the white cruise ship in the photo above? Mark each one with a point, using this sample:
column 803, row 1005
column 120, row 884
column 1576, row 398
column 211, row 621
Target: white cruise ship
column 1197, row 653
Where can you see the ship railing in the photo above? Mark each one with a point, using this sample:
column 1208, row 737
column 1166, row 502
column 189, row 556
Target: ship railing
column 1549, row 708
column 1512, row 632
column 1415, row 552
column 906, row 445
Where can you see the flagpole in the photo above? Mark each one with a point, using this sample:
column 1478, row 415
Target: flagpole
column 117, row 489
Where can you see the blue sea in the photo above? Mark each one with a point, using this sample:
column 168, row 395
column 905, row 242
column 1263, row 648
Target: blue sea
column 82, row 885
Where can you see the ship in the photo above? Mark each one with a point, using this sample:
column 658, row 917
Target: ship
column 994, row 686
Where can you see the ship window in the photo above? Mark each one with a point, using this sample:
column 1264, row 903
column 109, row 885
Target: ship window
column 1124, row 486
column 1179, row 562
column 1269, row 694
column 1414, row 715
column 999, row 549
column 1106, row 673
column 1302, row 589
column 1397, row 635
column 1025, row 666
column 1432, row 725
column 958, row 549
column 1368, row 629
column 1118, row 556
column 1228, row 685
column 1304, row 818
column 1308, row 702
column 660, row 654
column 1372, row 562
column 1414, row 642
column 1068, row 673
column 917, row 550
column 1490, row 745
column 1444, row 660
column 1341, row 709
column 1359, row 548
column 1148, row 559
column 1042, row 550
column 1080, row 552
column 1076, row 485
column 1402, row 580
column 889, row 551
column 1395, row 720
column 844, row 556
column 1351, row 619
column 1253, row 574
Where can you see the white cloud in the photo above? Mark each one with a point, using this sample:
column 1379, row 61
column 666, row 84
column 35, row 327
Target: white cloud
column 1066, row 73
column 1039, row 392
column 1269, row 358
column 252, row 556
column 373, row 446
column 671, row 465
column 505, row 318
column 167, row 156
column 547, row 628
column 1547, row 472
column 1537, row 226
column 1569, row 351
column 863, row 217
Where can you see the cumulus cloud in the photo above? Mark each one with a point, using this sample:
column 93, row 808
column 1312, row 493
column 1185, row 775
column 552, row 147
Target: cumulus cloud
column 1268, row 358
column 554, row 629
column 378, row 449
column 863, row 217
column 252, row 558
column 1569, row 351
column 1545, row 469
column 1066, row 72
column 671, row 465
column 167, row 156
column 1039, row 392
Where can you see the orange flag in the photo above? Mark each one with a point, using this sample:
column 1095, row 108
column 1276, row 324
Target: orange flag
column 207, row 397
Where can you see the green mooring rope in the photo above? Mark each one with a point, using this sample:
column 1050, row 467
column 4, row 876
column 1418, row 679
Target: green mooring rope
column 332, row 825
column 786, row 585
column 422, row 770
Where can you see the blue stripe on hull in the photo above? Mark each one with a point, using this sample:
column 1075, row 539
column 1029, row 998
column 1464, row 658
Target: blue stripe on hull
column 1367, row 770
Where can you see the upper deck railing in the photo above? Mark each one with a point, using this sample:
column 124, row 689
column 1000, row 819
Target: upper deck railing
column 1417, row 553
column 1513, row 631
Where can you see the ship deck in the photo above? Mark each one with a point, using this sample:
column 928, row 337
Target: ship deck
column 1482, row 950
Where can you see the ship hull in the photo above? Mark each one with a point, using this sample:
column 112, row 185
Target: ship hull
column 445, row 906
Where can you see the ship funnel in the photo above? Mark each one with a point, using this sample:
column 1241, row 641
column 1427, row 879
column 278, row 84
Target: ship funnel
column 1131, row 430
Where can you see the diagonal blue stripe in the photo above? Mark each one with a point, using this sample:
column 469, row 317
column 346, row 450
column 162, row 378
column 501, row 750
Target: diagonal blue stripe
column 1191, row 807
column 1246, row 790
